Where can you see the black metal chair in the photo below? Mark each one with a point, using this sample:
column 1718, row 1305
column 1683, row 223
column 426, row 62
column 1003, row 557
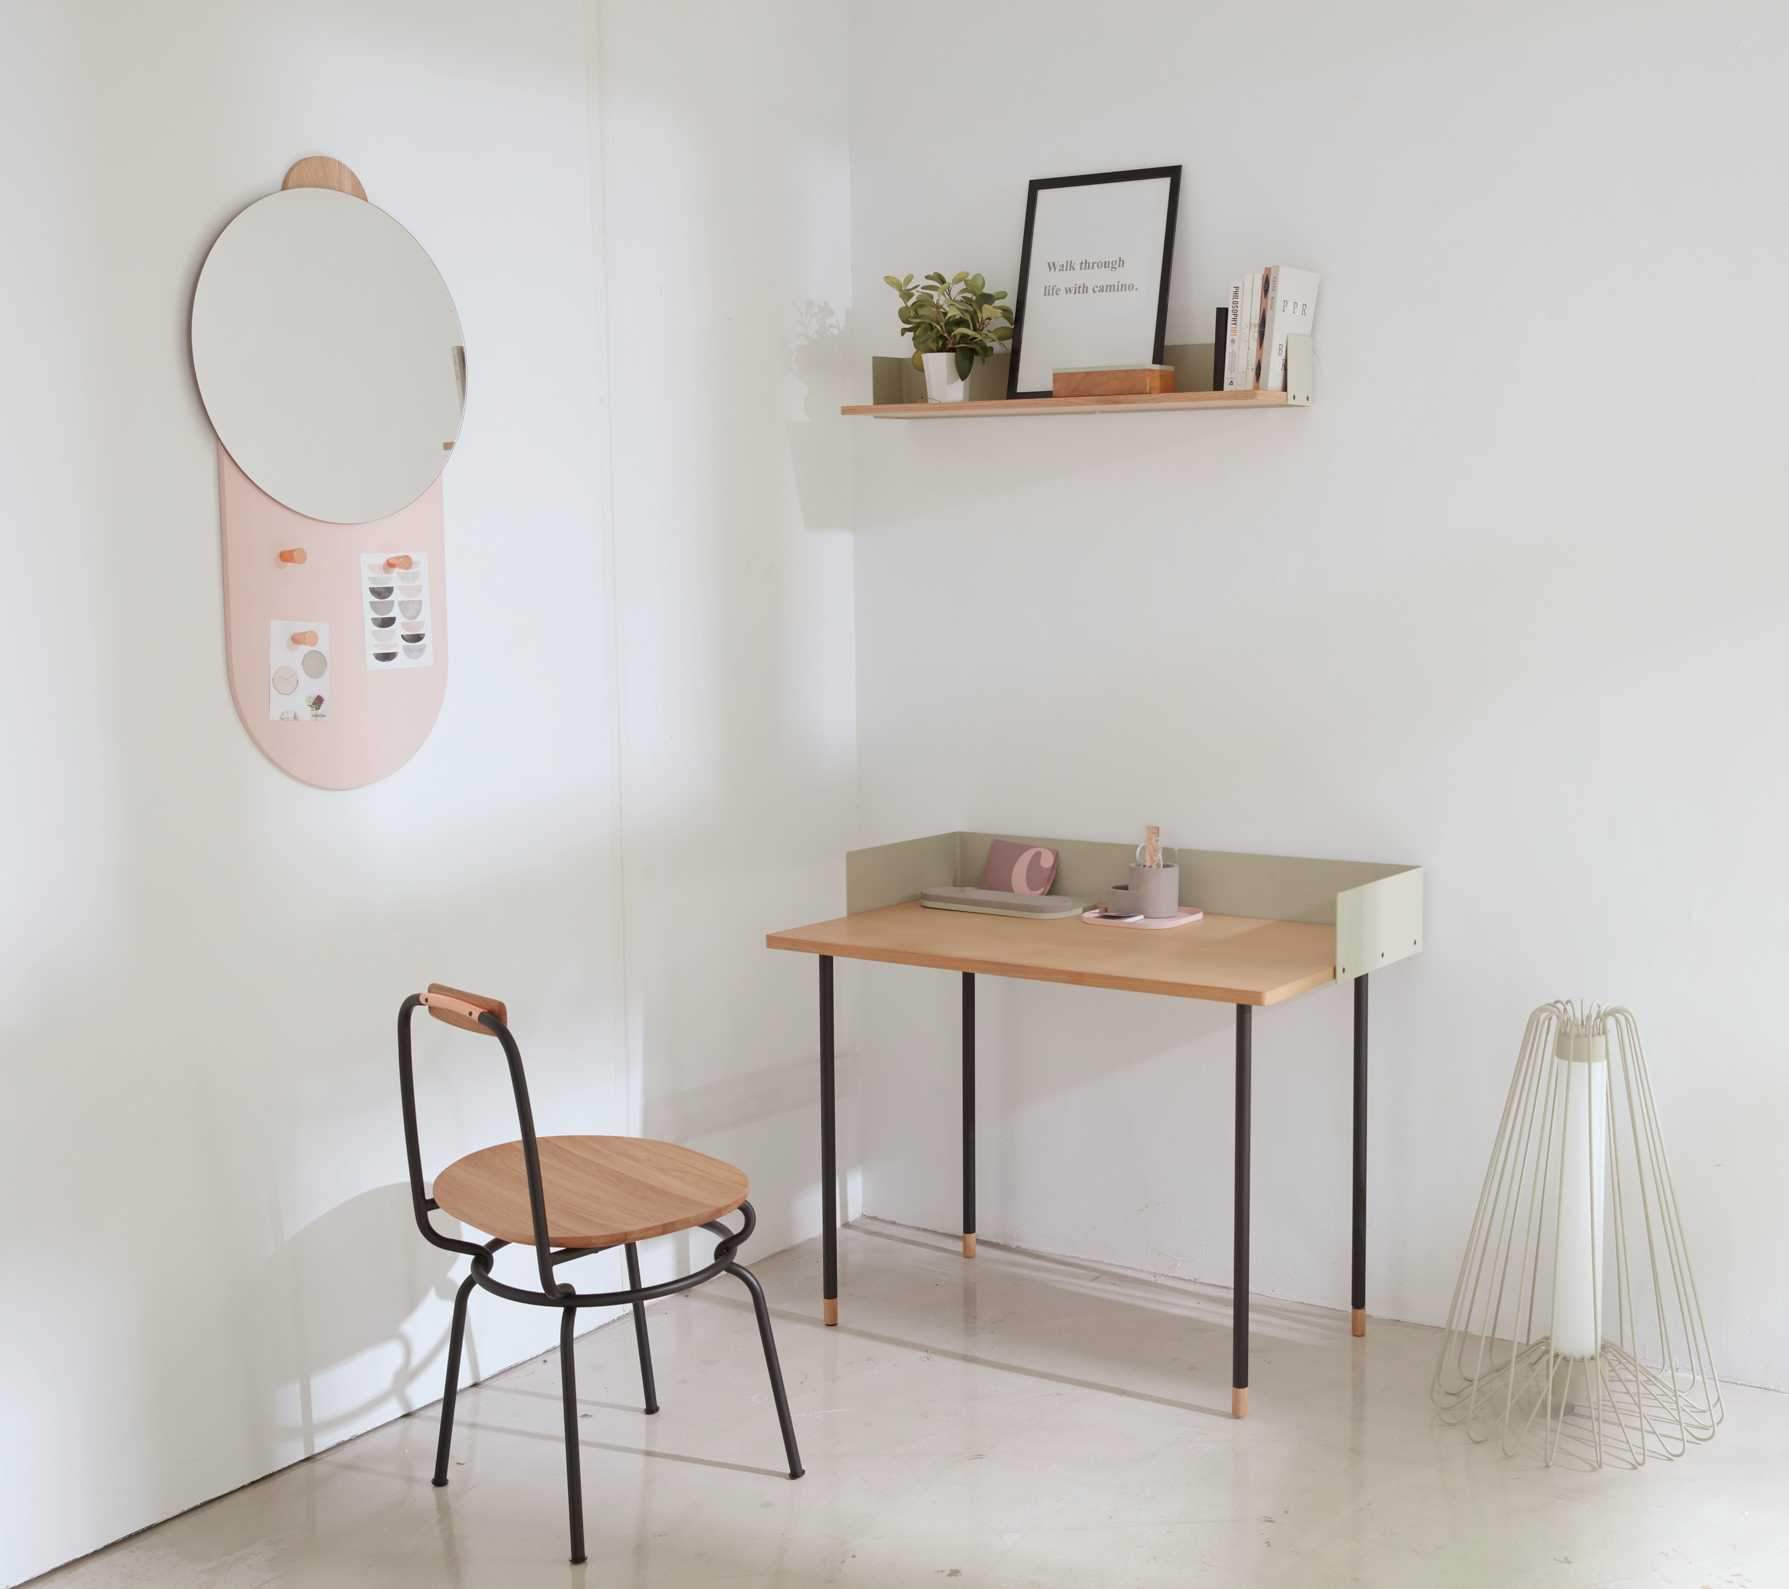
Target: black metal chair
column 571, row 1197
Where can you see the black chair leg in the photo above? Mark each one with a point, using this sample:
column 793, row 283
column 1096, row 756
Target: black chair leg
column 574, row 1483
column 646, row 1382
column 455, row 1340
column 761, row 1308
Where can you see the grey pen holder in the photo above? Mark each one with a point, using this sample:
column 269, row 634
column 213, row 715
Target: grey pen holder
column 1156, row 890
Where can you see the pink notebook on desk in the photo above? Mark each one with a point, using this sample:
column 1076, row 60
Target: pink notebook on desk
column 1019, row 868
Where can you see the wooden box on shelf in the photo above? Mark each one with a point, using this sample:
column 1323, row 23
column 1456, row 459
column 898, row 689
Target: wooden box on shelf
column 1113, row 380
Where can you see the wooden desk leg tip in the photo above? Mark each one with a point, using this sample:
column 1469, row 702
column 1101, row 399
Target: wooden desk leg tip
column 1239, row 1403
column 829, row 1310
column 1359, row 1324
column 969, row 1245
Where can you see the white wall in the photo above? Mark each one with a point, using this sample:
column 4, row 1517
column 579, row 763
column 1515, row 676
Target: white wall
column 210, row 1263
column 1507, row 601
column 727, row 200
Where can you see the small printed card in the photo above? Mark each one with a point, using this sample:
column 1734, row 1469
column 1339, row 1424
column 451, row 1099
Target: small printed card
column 298, row 684
column 394, row 600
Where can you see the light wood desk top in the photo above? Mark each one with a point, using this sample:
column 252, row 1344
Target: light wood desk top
column 1227, row 959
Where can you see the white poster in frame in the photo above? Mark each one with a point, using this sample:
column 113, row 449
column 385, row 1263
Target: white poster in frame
column 1093, row 275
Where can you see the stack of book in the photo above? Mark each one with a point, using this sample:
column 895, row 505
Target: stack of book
column 1265, row 308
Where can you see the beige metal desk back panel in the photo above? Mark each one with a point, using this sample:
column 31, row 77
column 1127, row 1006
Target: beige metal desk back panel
column 1375, row 906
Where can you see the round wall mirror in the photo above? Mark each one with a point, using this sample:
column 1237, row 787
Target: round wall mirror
column 329, row 355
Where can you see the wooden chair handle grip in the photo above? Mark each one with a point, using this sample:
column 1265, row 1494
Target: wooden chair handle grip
column 442, row 1005
column 460, row 1008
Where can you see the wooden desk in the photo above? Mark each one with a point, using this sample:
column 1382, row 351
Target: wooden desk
column 1245, row 961
column 1229, row 959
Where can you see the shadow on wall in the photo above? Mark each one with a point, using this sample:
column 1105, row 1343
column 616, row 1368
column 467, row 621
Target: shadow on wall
column 356, row 1314
column 741, row 765
column 817, row 446
column 273, row 1294
column 1008, row 482
column 350, row 1306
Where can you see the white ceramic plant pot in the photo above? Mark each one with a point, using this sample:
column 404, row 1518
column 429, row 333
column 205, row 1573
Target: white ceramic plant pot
column 943, row 384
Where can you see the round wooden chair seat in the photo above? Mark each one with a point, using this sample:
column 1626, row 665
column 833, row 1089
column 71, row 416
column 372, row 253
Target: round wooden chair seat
column 600, row 1191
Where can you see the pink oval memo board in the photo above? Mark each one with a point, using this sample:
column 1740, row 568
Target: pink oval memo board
column 377, row 720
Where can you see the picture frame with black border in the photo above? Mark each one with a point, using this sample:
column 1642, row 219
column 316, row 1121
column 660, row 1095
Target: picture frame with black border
column 1118, row 254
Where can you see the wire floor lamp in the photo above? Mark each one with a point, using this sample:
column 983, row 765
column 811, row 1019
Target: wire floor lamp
column 1576, row 1330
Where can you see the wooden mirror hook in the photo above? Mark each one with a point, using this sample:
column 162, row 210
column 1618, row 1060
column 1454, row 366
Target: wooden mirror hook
column 403, row 560
column 323, row 171
column 302, row 637
column 292, row 554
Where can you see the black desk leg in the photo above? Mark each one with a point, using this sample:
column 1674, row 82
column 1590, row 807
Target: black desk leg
column 829, row 1158
column 1359, row 1324
column 968, row 1114
column 1239, row 1318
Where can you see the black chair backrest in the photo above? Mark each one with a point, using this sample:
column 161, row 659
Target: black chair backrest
column 473, row 1012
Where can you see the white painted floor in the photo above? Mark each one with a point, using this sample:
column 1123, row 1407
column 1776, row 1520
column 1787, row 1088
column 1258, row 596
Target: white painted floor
column 1005, row 1421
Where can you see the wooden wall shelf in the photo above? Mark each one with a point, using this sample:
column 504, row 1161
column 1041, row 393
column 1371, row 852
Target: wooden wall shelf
column 1012, row 408
column 1192, row 364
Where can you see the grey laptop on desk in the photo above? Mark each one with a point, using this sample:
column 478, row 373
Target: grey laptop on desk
column 999, row 902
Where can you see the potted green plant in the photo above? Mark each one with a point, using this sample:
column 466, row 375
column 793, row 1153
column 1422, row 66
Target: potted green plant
column 953, row 322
